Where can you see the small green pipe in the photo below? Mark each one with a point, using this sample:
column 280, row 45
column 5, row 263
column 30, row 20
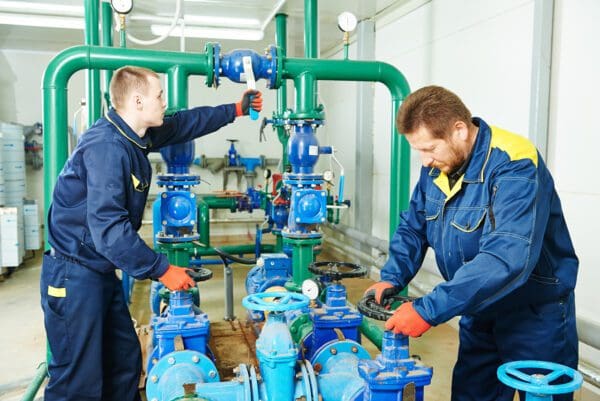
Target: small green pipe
column 305, row 84
column 204, row 222
column 177, row 89
column 242, row 249
column 220, row 202
column 92, row 37
column 40, row 375
column 302, row 257
column 373, row 332
column 311, row 37
column 346, row 46
column 107, row 41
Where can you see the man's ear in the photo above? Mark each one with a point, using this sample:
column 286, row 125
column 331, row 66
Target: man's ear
column 462, row 129
column 138, row 102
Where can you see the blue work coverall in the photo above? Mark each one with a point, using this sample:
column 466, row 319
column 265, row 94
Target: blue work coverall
column 96, row 210
column 502, row 245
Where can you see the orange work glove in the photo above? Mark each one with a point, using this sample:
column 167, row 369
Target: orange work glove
column 380, row 291
column 250, row 98
column 406, row 320
column 177, row 279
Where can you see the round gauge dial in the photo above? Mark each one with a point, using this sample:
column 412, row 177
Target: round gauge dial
column 328, row 175
column 122, row 6
column 311, row 289
column 347, row 21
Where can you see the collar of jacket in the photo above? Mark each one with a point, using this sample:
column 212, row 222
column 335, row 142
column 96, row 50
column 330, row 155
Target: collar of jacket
column 125, row 130
column 479, row 155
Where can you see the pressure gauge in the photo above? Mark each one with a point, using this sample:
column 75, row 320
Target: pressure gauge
column 347, row 21
column 328, row 175
column 311, row 289
column 267, row 173
column 122, row 6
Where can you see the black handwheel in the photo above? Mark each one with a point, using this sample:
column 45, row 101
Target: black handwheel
column 200, row 274
column 368, row 307
column 337, row 270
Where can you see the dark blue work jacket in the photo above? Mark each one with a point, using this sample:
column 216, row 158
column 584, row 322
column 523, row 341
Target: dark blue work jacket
column 499, row 235
column 100, row 195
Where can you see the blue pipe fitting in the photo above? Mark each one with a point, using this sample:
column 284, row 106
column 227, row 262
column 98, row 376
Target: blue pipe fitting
column 251, row 163
column 184, row 321
column 178, row 157
column 303, row 149
column 166, row 379
column 178, row 212
column 393, row 370
column 271, row 270
column 230, row 65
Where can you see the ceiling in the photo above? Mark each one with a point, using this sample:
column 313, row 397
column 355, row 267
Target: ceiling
column 161, row 11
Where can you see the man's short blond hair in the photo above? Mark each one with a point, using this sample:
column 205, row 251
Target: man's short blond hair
column 126, row 79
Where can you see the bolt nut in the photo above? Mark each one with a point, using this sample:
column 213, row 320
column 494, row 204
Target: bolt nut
column 154, row 379
column 354, row 349
column 195, row 359
column 333, row 351
column 171, row 361
column 212, row 374
column 164, row 195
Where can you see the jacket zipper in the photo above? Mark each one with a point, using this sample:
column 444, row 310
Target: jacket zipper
column 491, row 214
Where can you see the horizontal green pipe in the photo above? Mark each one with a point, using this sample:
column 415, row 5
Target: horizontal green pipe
column 219, row 202
column 40, row 375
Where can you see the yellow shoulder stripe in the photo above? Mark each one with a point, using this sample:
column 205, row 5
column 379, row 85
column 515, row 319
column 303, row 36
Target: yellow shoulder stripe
column 516, row 146
column 57, row 292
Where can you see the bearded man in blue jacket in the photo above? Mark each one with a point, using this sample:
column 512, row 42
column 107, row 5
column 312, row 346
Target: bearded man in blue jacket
column 486, row 204
column 96, row 210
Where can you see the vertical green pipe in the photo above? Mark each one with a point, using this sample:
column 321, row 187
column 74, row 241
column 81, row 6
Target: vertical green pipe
column 305, row 85
column 107, row 41
column 308, row 88
column 399, row 172
column 204, row 222
column 281, row 43
column 177, row 89
column 92, row 76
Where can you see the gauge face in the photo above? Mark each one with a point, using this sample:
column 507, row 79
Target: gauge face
column 347, row 21
column 122, row 6
column 310, row 288
column 267, row 173
column 328, row 175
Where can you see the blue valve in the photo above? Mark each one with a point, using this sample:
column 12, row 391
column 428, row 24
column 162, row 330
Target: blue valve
column 253, row 113
column 538, row 385
column 275, row 301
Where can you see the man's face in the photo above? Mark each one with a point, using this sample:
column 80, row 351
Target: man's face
column 152, row 104
column 446, row 154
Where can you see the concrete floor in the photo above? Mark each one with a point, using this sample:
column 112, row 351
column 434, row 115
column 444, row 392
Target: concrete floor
column 23, row 345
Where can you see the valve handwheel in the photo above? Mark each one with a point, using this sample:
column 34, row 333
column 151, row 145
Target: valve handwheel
column 275, row 301
column 368, row 307
column 539, row 383
column 337, row 270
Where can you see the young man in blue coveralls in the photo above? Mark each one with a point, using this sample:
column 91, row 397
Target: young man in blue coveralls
column 96, row 210
column 486, row 204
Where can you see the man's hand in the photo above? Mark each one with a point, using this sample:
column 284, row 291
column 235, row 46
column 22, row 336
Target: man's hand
column 380, row 291
column 177, row 279
column 407, row 321
column 250, row 98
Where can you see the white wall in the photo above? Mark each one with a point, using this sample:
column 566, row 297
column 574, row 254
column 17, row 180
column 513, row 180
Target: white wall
column 482, row 50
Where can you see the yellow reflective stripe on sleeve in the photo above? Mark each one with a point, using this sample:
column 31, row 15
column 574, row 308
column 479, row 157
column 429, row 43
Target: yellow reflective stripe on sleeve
column 57, row 292
column 136, row 182
column 442, row 183
column 516, row 146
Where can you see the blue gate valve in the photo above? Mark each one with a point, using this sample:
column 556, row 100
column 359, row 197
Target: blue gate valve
column 538, row 386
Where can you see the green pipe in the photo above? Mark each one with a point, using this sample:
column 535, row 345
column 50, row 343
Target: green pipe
column 220, row 202
column 204, row 222
column 305, row 84
column 370, row 330
column 373, row 71
column 107, row 41
column 177, row 89
column 281, row 43
column 71, row 60
column 40, row 375
column 92, row 76
column 311, row 37
column 302, row 257
column 233, row 249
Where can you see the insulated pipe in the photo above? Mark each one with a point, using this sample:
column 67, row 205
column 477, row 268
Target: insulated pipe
column 92, row 76
column 374, row 71
column 69, row 61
